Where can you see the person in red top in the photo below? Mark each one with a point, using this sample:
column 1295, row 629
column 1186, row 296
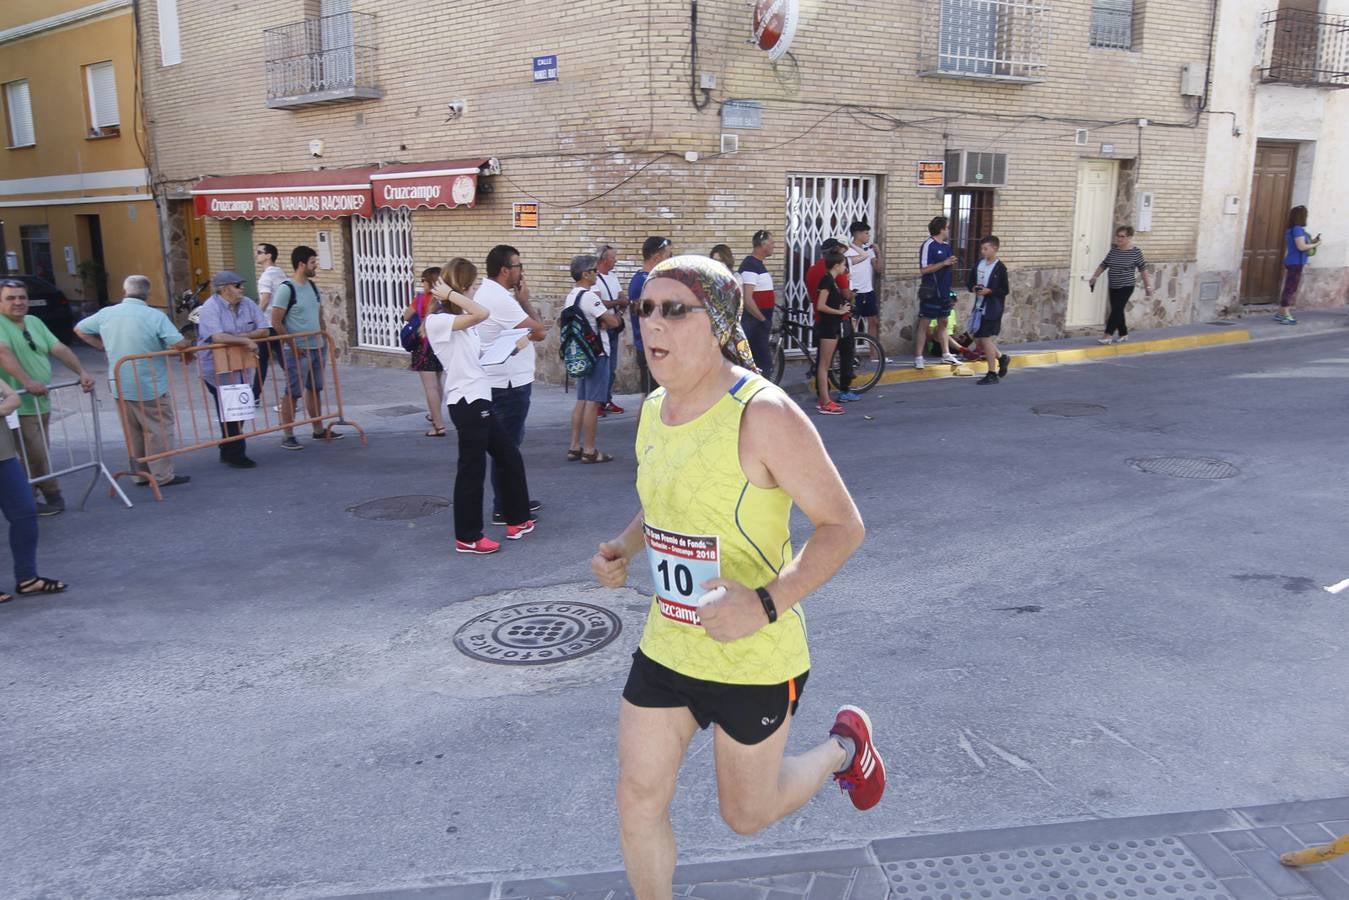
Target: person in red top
column 817, row 271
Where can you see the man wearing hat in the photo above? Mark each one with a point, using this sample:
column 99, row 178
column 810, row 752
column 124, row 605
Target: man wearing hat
column 230, row 318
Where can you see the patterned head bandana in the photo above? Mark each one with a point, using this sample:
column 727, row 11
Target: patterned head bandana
column 716, row 288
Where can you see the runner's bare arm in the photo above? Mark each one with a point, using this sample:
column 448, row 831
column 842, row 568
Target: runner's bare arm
column 779, row 447
column 610, row 562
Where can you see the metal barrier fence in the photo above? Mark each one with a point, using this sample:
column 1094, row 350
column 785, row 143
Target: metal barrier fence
column 66, row 440
column 190, row 416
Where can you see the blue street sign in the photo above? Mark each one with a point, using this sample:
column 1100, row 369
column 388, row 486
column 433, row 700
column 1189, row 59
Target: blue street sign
column 545, row 68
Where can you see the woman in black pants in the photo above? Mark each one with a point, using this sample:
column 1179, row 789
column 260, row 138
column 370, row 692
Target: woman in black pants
column 468, row 394
column 1123, row 260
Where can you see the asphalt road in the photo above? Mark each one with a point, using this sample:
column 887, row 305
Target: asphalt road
column 250, row 691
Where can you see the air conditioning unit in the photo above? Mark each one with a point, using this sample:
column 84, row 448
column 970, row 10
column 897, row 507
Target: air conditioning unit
column 730, row 143
column 970, row 168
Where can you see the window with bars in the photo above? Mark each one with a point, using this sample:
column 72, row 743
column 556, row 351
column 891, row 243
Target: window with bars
column 19, row 114
column 1112, row 24
column 101, row 87
column 1005, row 40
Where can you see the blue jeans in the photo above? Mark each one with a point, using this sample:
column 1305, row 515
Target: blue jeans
column 613, row 362
column 510, row 407
column 16, row 502
column 759, row 334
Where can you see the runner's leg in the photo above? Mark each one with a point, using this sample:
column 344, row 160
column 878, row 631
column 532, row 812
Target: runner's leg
column 651, row 746
column 758, row 786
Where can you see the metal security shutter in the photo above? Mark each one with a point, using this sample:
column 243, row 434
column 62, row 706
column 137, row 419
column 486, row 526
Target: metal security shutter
column 19, row 110
column 102, row 96
column 819, row 207
column 385, row 276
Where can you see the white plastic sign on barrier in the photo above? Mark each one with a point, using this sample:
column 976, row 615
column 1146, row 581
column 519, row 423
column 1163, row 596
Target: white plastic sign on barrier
column 12, row 420
column 236, row 403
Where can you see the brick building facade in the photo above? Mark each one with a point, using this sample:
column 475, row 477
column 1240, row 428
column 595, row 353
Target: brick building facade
column 1040, row 106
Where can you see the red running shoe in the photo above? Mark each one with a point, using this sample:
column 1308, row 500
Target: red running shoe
column 864, row 780
column 515, row 532
column 612, row 407
column 482, row 546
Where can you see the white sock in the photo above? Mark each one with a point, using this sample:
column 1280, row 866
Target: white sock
column 849, row 750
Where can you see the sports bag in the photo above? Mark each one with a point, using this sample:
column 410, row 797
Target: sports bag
column 580, row 346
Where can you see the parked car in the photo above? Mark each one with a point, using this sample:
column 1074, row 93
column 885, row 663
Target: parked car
column 48, row 303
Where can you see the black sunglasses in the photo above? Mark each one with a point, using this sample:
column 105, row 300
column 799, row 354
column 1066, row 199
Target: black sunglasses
column 29, row 338
column 669, row 309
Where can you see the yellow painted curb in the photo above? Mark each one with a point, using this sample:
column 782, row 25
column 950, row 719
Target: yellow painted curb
column 1040, row 358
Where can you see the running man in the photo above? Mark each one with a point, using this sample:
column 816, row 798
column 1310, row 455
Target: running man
column 719, row 432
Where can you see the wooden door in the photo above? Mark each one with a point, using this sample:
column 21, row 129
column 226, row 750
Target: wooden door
column 1271, row 197
column 1097, row 181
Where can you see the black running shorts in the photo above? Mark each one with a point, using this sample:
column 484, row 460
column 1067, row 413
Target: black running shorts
column 748, row 713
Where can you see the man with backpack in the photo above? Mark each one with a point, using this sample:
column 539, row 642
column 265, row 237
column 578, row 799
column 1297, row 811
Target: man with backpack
column 585, row 324
column 297, row 308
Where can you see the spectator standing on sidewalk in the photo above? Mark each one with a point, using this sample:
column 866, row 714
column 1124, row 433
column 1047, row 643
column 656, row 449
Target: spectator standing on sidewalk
column 29, row 367
column 611, row 294
column 655, row 249
column 131, row 328
column 590, row 390
column 230, row 318
column 864, row 264
column 264, row 257
column 935, row 262
column 833, row 333
column 16, row 502
column 1123, row 261
column 297, row 307
column 450, row 328
column 505, row 296
column 424, row 360
column 760, row 300
column 732, row 442
column 1299, row 248
column 989, row 284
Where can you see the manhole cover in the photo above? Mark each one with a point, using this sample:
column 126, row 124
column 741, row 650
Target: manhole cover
column 532, row 634
column 1069, row 409
column 393, row 412
column 1186, row 466
column 397, row 509
column 1162, row 867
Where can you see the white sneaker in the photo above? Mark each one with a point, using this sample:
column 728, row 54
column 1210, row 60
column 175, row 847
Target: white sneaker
column 950, row 358
column 1121, row 339
column 918, row 362
column 1106, row 340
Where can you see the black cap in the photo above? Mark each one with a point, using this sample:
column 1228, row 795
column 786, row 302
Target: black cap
column 830, row 244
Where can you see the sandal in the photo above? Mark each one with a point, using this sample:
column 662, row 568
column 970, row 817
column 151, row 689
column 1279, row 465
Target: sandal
column 436, row 432
column 39, row 585
column 595, row 456
column 5, row 598
column 573, row 455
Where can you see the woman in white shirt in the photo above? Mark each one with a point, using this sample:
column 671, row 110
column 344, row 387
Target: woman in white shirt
column 468, row 394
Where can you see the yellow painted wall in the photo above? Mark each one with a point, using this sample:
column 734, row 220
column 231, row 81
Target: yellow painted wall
column 53, row 62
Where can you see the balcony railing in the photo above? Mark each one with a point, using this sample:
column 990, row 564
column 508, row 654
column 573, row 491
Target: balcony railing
column 1305, row 48
column 325, row 59
column 999, row 40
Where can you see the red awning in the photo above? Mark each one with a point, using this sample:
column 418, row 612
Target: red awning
column 324, row 194
column 428, row 185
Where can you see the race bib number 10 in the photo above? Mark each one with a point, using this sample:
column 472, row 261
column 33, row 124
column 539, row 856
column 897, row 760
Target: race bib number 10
column 680, row 563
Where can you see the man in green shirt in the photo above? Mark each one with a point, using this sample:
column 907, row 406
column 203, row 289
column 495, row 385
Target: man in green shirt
column 28, row 367
column 297, row 308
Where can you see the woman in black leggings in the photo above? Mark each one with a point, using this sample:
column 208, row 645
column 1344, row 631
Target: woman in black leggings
column 1123, row 260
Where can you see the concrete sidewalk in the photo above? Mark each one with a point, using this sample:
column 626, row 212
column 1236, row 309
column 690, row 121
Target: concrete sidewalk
column 1224, row 854
column 1256, row 325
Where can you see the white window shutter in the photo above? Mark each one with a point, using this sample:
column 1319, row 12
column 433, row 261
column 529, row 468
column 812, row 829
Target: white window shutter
column 19, row 106
column 103, row 96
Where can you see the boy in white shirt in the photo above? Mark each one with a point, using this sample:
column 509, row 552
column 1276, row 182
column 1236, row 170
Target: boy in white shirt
column 864, row 265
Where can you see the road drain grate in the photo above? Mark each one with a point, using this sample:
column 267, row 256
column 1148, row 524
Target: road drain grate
column 399, row 509
column 1185, row 466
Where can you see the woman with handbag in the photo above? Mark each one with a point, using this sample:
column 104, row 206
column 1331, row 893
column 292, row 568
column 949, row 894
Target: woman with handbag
column 449, row 329
column 424, row 361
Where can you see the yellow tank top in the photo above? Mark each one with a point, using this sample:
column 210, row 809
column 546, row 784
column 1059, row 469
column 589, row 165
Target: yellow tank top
column 704, row 519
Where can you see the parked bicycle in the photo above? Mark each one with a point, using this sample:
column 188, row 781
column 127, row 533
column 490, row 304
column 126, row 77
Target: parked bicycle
column 793, row 332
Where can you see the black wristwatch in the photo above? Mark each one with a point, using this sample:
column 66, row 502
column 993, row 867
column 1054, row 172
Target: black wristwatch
column 768, row 605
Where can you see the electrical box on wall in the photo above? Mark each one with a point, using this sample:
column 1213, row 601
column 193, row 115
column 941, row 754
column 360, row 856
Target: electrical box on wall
column 325, row 249
column 1192, row 79
column 1145, row 201
column 1231, row 205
